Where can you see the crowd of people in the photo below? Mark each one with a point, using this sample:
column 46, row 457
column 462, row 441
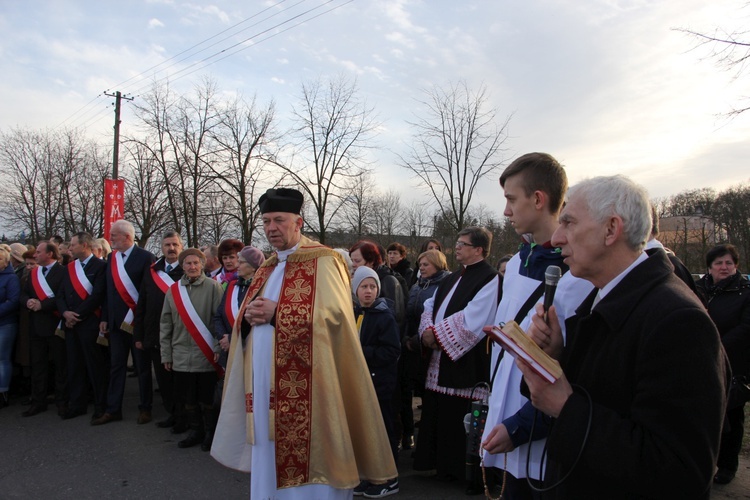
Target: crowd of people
column 275, row 362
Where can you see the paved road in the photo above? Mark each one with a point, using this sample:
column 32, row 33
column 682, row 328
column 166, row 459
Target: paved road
column 43, row 457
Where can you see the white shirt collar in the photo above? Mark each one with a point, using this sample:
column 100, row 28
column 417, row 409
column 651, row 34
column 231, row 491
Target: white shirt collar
column 609, row 286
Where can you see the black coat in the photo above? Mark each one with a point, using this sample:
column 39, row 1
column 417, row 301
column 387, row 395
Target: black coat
column 650, row 359
column 379, row 336
column 89, row 310
column 43, row 323
column 150, row 304
column 728, row 304
column 115, row 309
column 422, row 290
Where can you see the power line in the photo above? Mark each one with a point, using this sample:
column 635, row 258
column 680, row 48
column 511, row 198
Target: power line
column 228, row 51
column 186, row 51
column 173, row 78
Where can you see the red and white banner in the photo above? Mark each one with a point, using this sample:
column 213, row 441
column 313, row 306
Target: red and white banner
column 114, row 203
column 126, row 289
column 195, row 325
column 231, row 307
column 162, row 279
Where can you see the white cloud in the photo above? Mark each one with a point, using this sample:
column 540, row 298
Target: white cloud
column 155, row 23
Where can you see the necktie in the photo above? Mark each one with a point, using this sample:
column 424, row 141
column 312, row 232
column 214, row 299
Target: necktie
column 169, row 267
column 124, row 256
column 83, row 265
column 44, row 270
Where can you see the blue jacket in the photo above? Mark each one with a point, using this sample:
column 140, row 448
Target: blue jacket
column 10, row 292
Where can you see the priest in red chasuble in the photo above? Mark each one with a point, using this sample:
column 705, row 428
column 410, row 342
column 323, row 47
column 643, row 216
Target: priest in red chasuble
column 299, row 410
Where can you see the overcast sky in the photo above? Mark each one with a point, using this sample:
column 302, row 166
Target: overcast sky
column 606, row 86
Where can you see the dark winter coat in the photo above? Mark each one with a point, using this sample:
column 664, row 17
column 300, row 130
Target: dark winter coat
column 403, row 268
column 149, row 306
column 650, row 359
column 422, row 290
column 10, row 292
column 728, row 303
column 379, row 336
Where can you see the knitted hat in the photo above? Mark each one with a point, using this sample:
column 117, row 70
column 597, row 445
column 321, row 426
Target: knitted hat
column 253, row 256
column 281, row 200
column 360, row 274
column 191, row 251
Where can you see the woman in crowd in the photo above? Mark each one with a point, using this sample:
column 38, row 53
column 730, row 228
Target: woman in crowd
column 431, row 244
column 398, row 262
column 249, row 260
column 365, row 253
column 228, row 256
column 726, row 294
column 185, row 324
column 433, row 269
column 10, row 291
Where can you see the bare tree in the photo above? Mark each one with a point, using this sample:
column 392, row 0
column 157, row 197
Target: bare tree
column 457, row 142
column 387, row 215
column 146, row 204
column 32, row 168
column 332, row 129
column 358, row 204
column 730, row 49
column 244, row 134
column 179, row 139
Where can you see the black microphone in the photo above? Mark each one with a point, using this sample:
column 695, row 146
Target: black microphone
column 551, row 277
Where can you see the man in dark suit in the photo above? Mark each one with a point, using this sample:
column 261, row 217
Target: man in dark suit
column 38, row 295
column 79, row 302
column 125, row 268
column 639, row 408
column 154, row 286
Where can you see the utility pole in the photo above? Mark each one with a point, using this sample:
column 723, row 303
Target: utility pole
column 116, row 152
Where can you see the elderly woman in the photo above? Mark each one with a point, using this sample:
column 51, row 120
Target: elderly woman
column 188, row 347
column 10, row 291
column 250, row 259
column 726, row 294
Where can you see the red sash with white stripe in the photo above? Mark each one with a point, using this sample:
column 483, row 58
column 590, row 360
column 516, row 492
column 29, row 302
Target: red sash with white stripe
column 162, row 280
column 231, row 307
column 80, row 282
column 41, row 287
column 126, row 289
column 195, row 326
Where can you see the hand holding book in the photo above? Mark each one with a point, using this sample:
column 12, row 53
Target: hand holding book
column 520, row 345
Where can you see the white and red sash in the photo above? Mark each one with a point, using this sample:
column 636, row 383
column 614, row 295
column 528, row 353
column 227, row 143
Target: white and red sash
column 162, row 279
column 195, row 326
column 80, row 282
column 126, row 289
column 231, row 306
column 41, row 287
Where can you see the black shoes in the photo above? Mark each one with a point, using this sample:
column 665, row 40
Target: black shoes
column 724, row 476
column 34, row 410
column 73, row 413
column 166, row 424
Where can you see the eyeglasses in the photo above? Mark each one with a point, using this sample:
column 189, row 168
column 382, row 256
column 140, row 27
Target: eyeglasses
column 461, row 244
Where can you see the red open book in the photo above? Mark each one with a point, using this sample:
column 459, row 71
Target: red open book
column 517, row 343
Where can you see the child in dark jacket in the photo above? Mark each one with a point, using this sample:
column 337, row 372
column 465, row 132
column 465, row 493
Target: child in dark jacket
column 379, row 336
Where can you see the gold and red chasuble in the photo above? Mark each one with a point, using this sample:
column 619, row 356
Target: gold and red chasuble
column 291, row 396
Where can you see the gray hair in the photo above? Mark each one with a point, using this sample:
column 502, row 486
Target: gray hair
column 126, row 227
column 172, row 234
column 617, row 195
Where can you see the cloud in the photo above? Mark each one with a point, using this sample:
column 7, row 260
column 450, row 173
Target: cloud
column 155, row 23
column 280, row 81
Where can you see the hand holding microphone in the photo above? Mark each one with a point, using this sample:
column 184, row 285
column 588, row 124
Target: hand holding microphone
column 545, row 327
